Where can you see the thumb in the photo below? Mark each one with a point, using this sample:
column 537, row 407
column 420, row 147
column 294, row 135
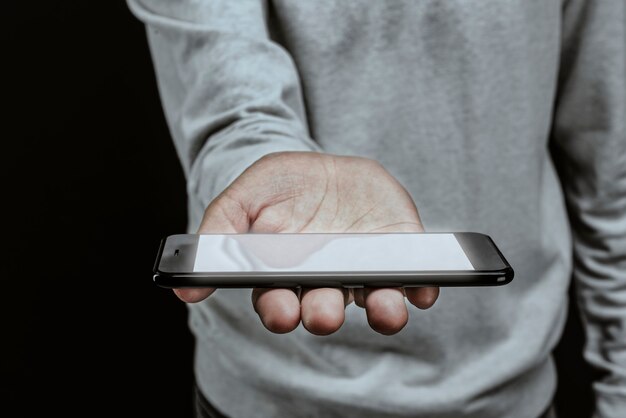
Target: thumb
column 224, row 215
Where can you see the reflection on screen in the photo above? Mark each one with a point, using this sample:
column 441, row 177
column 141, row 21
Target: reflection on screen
column 329, row 253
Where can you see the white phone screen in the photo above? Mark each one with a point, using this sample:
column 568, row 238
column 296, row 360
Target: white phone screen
column 329, row 253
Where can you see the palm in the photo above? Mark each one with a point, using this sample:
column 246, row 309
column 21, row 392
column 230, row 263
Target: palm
column 310, row 192
column 322, row 193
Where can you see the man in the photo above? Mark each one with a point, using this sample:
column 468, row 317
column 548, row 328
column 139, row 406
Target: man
column 272, row 106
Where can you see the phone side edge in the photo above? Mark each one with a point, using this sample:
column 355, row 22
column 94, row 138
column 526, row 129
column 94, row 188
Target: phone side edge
column 451, row 278
column 484, row 254
column 155, row 268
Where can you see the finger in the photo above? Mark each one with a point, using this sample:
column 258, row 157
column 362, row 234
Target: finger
column 323, row 309
column 386, row 310
column 279, row 309
column 349, row 296
column 193, row 295
column 359, row 297
column 422, row 297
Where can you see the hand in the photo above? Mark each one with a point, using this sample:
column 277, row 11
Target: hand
column 312, row 192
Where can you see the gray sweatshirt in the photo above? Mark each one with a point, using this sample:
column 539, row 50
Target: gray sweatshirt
column 462, row 101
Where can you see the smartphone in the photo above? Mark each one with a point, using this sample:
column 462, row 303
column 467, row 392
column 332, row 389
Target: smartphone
column 330, row 260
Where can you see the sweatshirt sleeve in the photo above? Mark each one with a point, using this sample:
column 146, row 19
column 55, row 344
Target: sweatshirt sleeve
column 589, row 147
column 230, row 94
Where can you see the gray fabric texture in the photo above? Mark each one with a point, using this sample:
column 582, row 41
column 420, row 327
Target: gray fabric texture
column 462, row 101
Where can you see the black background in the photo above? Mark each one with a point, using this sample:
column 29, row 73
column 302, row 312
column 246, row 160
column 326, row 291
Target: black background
column 93, row 183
